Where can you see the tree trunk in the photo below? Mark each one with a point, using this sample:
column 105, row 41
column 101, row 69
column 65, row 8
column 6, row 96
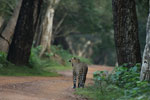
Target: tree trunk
column 145, row 70
column 20, row 48
column 43, row 35
column 47, row 31
column 126, row 32
column 39, row 28
column 9, row 29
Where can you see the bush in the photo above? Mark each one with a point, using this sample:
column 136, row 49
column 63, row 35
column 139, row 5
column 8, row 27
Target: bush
column 65, row 55
column 45, row 66
column 124, row 77
column 121, row 84
column 36, row 66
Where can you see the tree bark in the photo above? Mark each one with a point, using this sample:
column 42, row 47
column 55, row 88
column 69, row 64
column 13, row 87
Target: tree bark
column 44, row 35
column 145, row 70
column 47, row 31
column 9, row 29
column 126, row 32
column 20, row 48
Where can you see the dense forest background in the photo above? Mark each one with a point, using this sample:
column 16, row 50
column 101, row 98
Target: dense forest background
column 84, row 29
column 39, row 37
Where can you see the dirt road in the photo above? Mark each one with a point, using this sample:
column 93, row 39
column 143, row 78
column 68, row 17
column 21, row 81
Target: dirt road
column 42, row 88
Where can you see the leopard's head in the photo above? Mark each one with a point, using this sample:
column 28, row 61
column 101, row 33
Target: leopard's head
column 74, row 60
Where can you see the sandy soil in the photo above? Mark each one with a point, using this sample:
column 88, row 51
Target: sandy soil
column 43, row 88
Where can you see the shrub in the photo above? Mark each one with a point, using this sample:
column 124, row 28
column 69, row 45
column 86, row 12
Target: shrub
column 122, row 82
column 45, row 66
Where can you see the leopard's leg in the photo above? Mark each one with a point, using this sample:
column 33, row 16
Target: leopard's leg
column 74, row 79
column 80, row 79
column 84, row 77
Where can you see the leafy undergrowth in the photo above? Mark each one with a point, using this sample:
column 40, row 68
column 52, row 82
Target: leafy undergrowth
column 94, row 93
column 48, row 65
column 122, row 84
column 66, row 55
column 34, row 68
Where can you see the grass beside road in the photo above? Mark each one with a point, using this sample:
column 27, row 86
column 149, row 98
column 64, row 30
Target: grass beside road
column 45, row 66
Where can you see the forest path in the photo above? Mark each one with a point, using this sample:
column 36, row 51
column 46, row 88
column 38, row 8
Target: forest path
column 43, row 88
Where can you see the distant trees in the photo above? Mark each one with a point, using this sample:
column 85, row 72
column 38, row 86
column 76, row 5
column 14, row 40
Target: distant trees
column 91, row 21
column 142, row 13
column 73, row 18
column 20, row 48
column 126, row 32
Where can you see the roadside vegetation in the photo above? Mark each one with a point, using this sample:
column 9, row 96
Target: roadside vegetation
column 122, row 84
column 48, row 65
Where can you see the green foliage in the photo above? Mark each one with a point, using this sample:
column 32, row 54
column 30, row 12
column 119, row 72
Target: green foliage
column 64, row 54
column 45, row 66
column 110, row 92
column 3, row 61
column 95, row 17
column 86, row 16
column 60, row 51
column 36, row 66
column 33, row 69
column 121, row 84
column 89, row 17
column 7, row 7
column 124, row 77
column 46, row 62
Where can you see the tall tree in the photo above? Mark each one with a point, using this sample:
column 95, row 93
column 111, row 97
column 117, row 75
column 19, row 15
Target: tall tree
column 145, row 71
column 44, row 32
column 126, row 32
column 20, row 48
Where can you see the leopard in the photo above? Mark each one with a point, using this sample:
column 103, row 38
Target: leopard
column 80, row 70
